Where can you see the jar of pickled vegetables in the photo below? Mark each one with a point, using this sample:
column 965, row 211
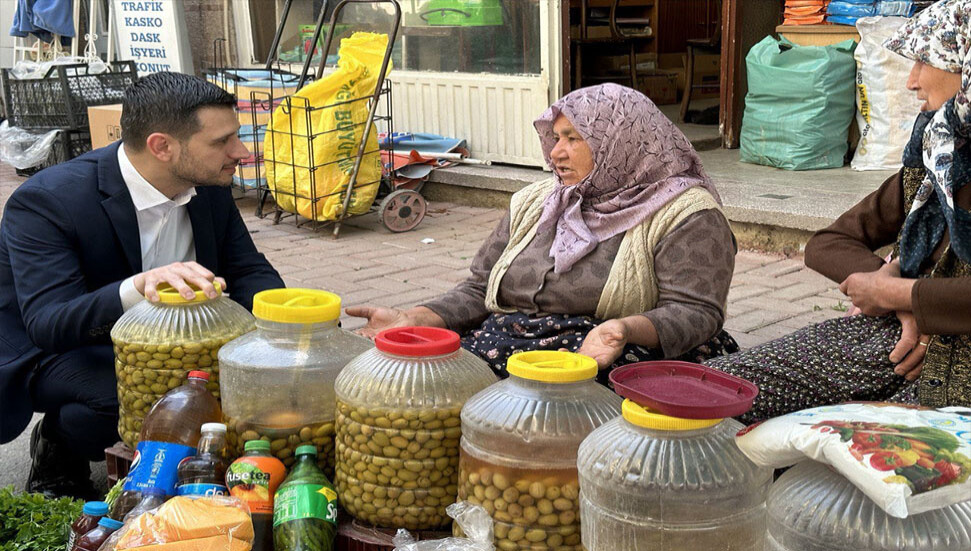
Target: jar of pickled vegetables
column 157, row 344
column 813, row 507
column 277, row 383
column 653, row 482
column 399, row 425
column 519, row 447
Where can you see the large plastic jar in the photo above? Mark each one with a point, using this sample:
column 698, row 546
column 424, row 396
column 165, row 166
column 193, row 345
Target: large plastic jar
column 398, row 426
column 277, row 383
column 519, row 447
column 653, row 482
column 814, row 508
column 158, row 344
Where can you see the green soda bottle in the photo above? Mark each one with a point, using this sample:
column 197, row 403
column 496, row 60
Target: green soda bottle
column 305, row 507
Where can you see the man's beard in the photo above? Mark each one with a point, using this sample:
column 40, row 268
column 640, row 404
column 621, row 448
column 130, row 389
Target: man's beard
column 193, row 174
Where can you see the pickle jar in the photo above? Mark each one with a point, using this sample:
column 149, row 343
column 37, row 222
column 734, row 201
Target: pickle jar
column 277, row 382
column 158, row 343
column 813, row 507
column 399, row 426
column 653, row 482
column 519, row 447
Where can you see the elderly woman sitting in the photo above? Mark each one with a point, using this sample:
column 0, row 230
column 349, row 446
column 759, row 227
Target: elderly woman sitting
column 623, row 255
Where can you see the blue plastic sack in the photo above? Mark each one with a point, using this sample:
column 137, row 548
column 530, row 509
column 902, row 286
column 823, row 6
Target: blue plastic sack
column 904, row 8
column 842, row 19
column 800, row 102
column 852, row 10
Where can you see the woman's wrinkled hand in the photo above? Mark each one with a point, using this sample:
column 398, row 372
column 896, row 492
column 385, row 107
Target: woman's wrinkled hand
column 910, row 350
column 605, row 342
column 868, row 290
column 378, row 319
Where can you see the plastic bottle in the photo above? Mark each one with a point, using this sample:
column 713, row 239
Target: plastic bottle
column 90, row 515
column 305, row 507
column 169, row 434
column 254, row 478
column 205, row 473
column 151, row 498
column 93, row 539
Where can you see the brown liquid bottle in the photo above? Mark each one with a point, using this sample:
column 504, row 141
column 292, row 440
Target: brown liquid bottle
column 92, row 512
column 92, row 540
column 205, row 473
column 169, row 434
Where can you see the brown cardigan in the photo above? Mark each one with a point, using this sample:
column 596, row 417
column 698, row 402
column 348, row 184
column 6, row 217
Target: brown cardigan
column 942, row 306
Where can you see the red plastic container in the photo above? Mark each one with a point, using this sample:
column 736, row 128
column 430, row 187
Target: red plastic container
column 684, row 390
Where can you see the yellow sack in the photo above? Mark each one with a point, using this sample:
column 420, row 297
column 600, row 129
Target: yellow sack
column 290, row 163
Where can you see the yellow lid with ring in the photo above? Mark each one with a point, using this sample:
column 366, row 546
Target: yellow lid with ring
column 170, row 295
column 550, row 366
column 649, row 419
column 296, row 306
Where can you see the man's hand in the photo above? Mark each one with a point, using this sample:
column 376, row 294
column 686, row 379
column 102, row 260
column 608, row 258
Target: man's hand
column 879, row 293
column 910, row 350
column 379, row 318
column 180, row 275
column 605, row 342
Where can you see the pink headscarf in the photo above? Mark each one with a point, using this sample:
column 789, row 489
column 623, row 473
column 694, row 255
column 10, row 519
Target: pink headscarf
column 641, row 162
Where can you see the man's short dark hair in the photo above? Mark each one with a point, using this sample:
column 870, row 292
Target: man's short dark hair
column 167, row 102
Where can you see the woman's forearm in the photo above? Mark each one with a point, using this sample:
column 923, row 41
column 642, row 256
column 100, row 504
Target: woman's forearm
column 425, row 317
column 641, row 331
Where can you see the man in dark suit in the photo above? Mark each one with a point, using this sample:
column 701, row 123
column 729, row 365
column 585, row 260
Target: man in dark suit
column 83, row 241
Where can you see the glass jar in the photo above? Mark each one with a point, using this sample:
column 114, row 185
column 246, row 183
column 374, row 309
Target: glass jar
column 649, row 481
column 277, row 382
column 519, row 447
column 814, row 508
column 398, row 426
column 158, row 344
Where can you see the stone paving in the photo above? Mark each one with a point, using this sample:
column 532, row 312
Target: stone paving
column 770, row 296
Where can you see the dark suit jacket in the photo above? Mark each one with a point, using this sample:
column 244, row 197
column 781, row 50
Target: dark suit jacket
column 68, row 238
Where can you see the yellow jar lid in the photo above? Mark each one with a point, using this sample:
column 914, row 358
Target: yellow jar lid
column 169, row 295
column 550, row 366
column 296, row 306
column 649, row 419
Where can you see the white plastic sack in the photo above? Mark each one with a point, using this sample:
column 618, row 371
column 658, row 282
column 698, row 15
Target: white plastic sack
column 886, row 109
column 22, row 149
column 907, row 459
column 473, row 520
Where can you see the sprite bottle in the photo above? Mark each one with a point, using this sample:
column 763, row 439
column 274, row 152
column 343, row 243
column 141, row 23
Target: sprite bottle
column 305, row 507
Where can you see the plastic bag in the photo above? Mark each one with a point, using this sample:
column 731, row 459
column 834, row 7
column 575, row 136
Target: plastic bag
column 799, row 105
column 216, row 523
column 473, row 520
column 885, row 108
column 22, row 149
column 907, row 459
column 33, row 69
column 327, row 150
column 851, row 9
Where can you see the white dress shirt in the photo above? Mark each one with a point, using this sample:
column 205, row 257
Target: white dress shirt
column 164, row 229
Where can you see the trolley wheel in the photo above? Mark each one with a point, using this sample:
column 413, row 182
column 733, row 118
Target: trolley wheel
column 402, row 210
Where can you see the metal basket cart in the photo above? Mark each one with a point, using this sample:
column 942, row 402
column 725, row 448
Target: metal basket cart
column 400, row 209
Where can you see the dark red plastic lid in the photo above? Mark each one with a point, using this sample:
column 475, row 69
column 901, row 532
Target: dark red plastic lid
column 198, row 375
column 417, row 341
column 684, row 390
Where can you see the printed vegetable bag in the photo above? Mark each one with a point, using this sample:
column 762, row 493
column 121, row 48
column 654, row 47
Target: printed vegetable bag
column 800, row 102
column 308, row 168
column 907, row 459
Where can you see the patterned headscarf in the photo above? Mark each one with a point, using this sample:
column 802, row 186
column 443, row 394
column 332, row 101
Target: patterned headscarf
column 940, row 37
column 641, row 162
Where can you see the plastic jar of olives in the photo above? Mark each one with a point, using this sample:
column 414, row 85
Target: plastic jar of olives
column 398, row 426
column 277, row 383
column 519, row 447
column 158, row 344
column 651, row 481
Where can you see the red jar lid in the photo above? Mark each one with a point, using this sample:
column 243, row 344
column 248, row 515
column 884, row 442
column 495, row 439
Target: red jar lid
column 417, row 341
column 684, row 390
column 198, row 375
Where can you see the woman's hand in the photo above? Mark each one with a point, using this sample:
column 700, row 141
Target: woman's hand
column 881, row 292
column 605, row 342
column 910, row 350
column 379, row 318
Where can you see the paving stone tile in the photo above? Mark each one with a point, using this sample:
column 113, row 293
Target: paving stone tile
column 755, row 319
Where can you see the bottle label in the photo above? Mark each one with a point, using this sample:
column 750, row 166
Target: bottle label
column 155, row 465
column 302, row 501
column 206, row 490
column 70, row 540
column 252, row 481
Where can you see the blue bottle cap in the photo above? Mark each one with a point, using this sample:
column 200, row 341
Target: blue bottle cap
column 95, row 509
column 110, row 523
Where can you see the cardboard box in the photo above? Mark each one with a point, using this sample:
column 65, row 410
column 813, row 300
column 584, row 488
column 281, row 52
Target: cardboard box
column 707, row 73
column 659, row 85
column 105, row 123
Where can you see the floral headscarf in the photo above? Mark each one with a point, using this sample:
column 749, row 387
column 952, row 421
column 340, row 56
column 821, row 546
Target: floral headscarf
column 940, row 37
column 641, row 162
